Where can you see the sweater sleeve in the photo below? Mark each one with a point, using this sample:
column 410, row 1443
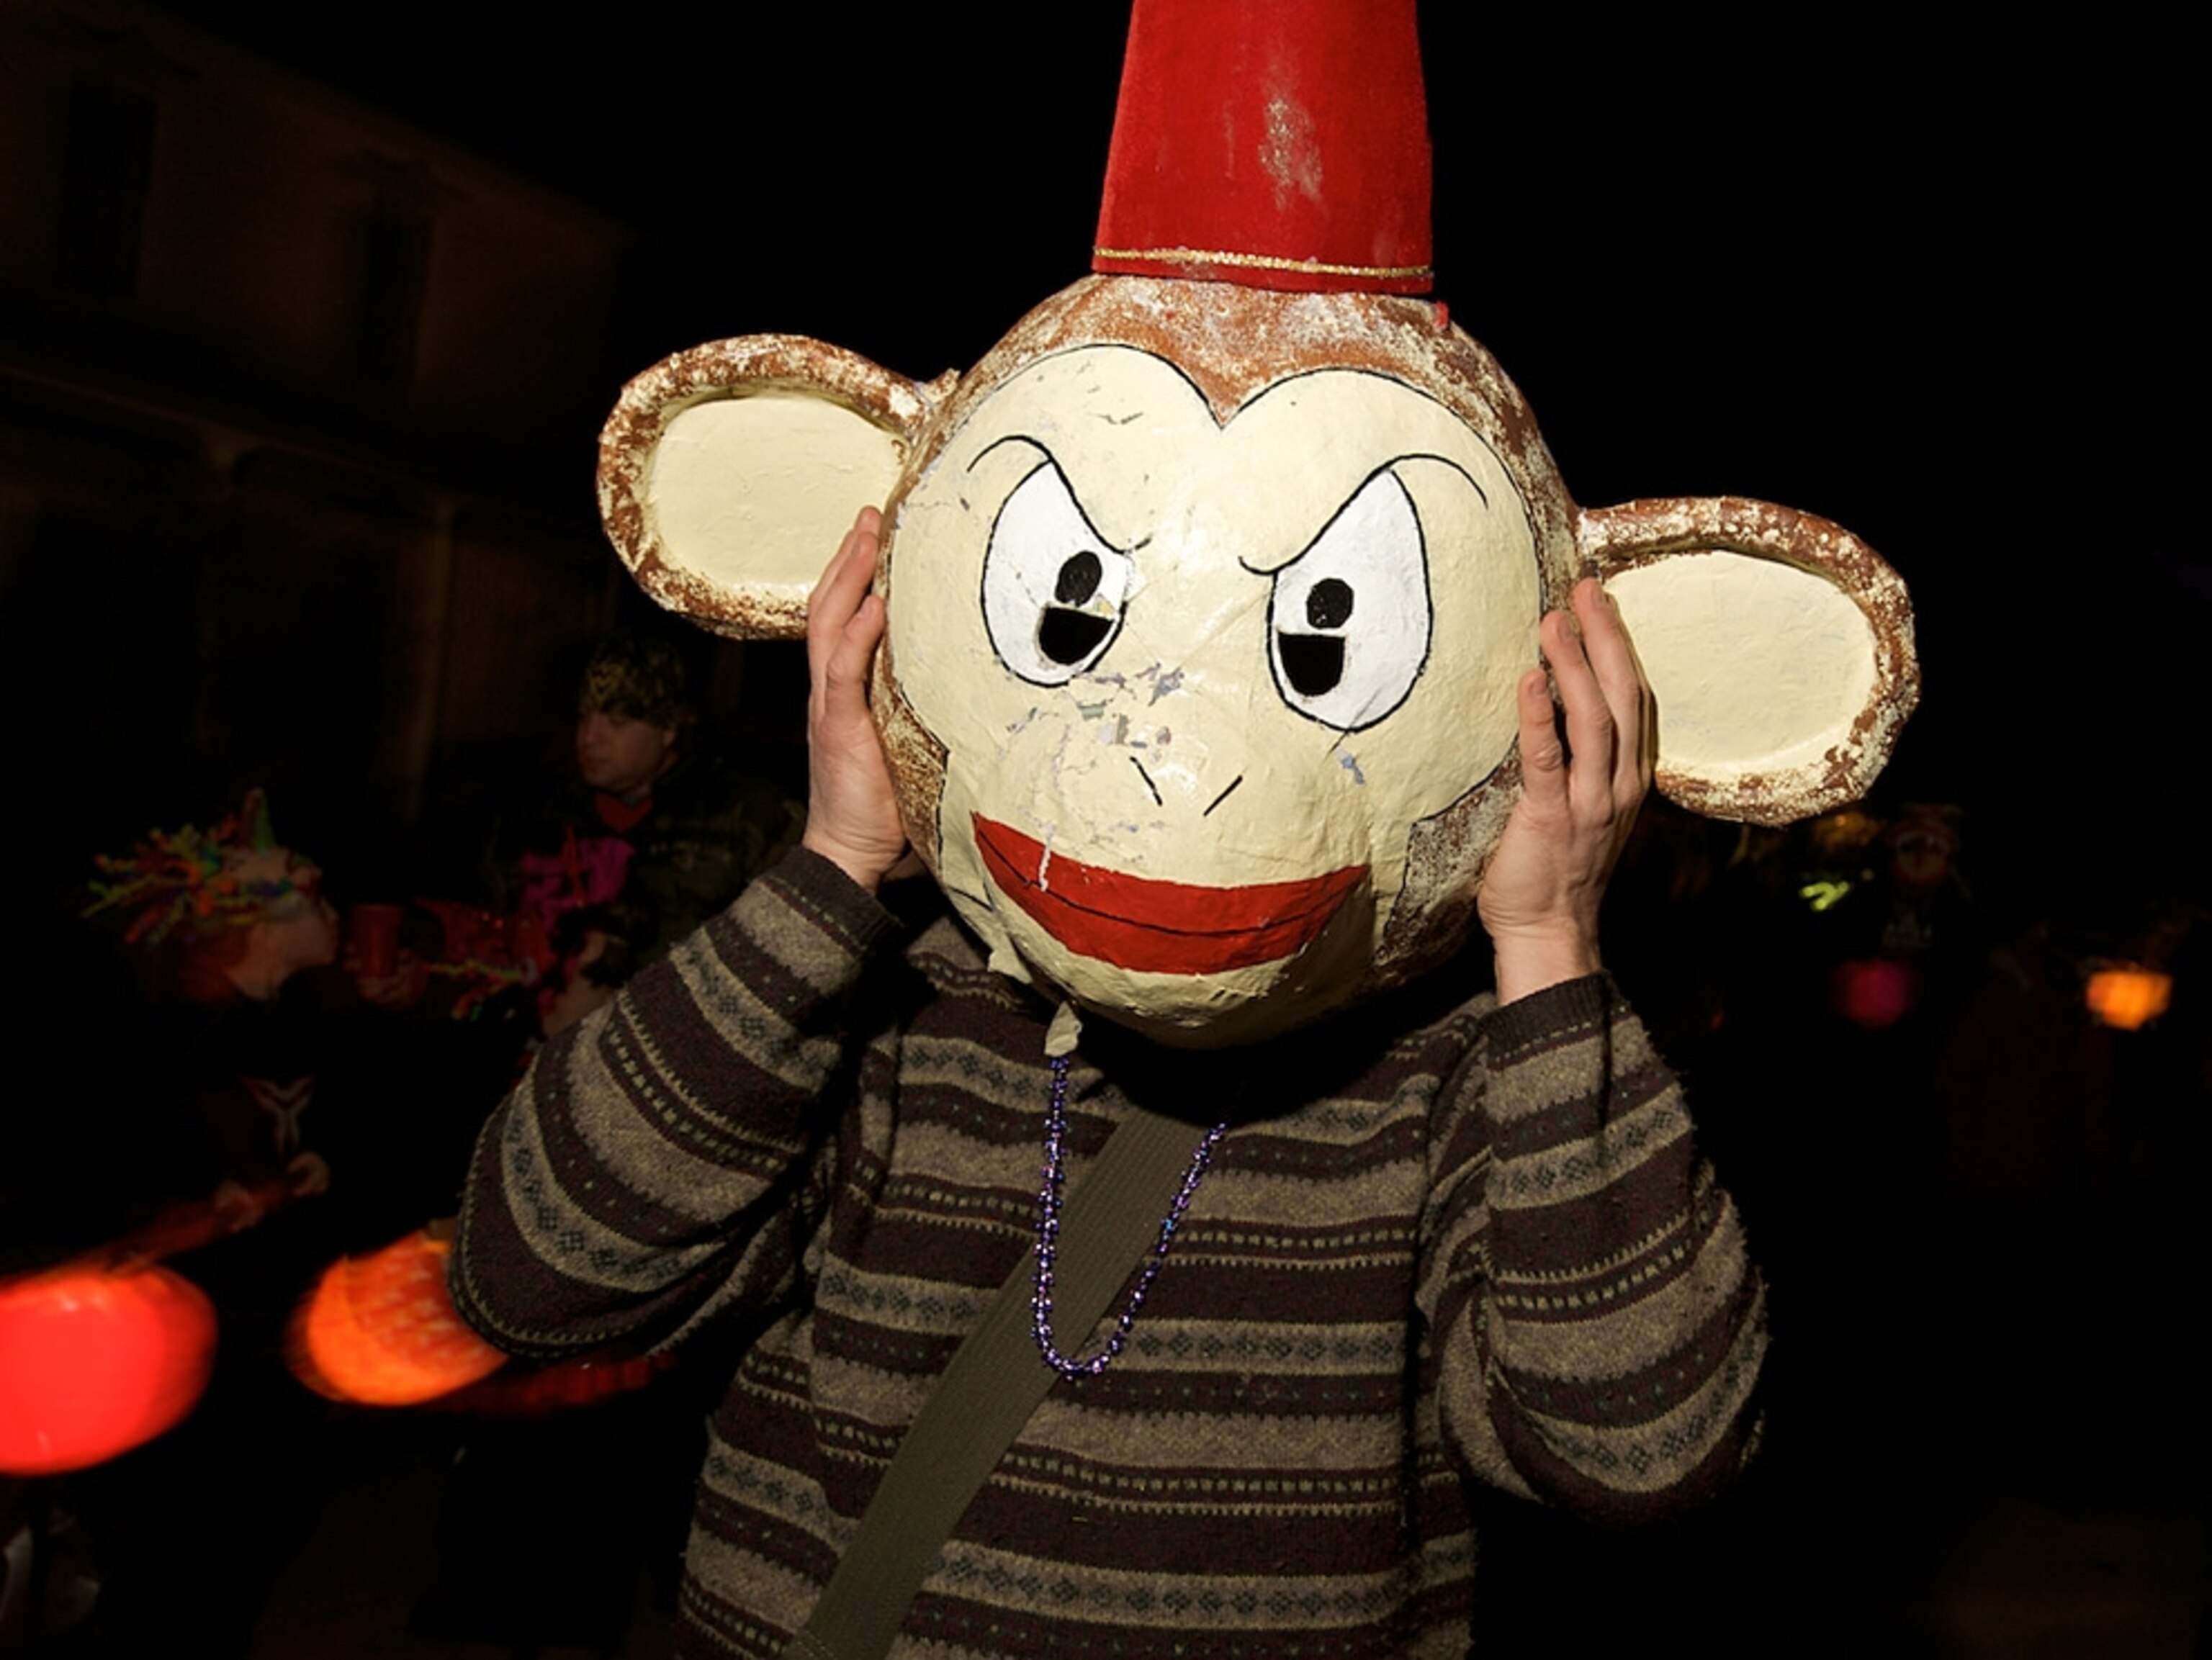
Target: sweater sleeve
column 1597, row 1323
column 657, row 1162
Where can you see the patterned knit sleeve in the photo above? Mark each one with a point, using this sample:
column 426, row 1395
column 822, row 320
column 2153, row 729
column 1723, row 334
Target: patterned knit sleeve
column 656, row 1163
column 1598, row 1326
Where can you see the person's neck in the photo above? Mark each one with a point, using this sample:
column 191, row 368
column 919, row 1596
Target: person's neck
column 642, row 794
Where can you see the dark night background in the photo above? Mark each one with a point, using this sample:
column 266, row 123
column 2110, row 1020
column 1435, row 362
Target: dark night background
column 1929, row 284
column 1932, row 284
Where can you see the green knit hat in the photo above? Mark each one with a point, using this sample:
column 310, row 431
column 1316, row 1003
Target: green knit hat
column 637, row 676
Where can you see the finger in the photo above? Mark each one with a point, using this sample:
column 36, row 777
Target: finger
column 845, row 680
column 1590, row 737
column 843, row 580
column 1543, row 759
column 837, row 595
column 1620, row 679
column 909, row 864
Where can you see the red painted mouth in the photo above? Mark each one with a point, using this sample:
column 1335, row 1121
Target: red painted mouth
column 1159, row 927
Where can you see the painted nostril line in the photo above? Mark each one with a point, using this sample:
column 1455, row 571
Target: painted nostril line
column 1147, row 778
column 1224, row 795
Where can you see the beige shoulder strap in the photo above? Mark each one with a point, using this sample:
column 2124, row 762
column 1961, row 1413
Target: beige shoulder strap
column 994, row 1383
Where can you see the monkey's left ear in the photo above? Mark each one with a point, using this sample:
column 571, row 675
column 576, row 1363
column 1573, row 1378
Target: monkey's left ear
column 1779, row 646
column 729, row 473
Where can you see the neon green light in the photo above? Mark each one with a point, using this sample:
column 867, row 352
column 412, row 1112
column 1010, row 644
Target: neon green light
column 1822, row 894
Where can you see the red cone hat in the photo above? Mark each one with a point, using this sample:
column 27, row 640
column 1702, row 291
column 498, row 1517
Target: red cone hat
column 1277, row 143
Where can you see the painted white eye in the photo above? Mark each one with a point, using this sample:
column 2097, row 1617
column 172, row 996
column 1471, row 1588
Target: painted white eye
column 1348, row 622
column 1053, row 591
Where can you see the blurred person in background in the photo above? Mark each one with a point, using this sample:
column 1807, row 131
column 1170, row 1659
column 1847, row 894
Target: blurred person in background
column 657, row 832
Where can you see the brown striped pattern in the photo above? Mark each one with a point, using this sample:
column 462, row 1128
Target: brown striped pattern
column 1486, row 1248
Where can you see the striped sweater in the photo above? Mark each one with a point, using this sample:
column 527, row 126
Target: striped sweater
column 1482, row 1249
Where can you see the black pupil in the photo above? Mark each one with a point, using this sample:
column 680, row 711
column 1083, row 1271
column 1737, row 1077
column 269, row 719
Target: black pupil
column 1328, row 604
column 1078, row 579
column 1313, row 663
column 1066, row 635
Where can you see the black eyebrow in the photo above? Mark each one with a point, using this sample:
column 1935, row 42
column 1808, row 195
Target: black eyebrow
column 1012, row 438
column 1441, row 461
column 1394, row 462
column 1052, row 461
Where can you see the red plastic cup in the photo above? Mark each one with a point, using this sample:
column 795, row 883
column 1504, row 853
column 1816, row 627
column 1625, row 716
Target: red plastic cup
column 375, row 932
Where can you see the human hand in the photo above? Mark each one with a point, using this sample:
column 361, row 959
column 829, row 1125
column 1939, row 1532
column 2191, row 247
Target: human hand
column 1539, row 897
column 582, row 994
column 852, row 814
column 238, row 1205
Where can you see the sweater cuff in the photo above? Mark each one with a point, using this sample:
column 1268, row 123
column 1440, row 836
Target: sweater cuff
column 821, row 887
column 1541, row 1017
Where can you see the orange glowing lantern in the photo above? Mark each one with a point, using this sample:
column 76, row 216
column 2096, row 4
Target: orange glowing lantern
column 380, row 1330
column 2128, row 997
column 94, row 1363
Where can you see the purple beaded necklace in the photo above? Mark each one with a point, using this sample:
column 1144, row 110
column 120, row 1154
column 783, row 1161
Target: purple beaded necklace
column 1048, row 1235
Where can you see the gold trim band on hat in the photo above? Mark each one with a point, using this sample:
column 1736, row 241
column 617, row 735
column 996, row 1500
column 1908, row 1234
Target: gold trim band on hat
column 1259, row 262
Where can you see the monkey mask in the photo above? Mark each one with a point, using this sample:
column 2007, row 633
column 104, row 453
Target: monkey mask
column 1210, row 586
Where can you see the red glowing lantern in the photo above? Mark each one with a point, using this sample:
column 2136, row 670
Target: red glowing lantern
column 1874, row 993
column 380, row 1330
column 94, row 1363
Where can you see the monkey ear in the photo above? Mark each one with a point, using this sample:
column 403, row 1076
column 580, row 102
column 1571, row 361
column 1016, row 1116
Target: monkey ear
column 1779, row 646
column 729, row 473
